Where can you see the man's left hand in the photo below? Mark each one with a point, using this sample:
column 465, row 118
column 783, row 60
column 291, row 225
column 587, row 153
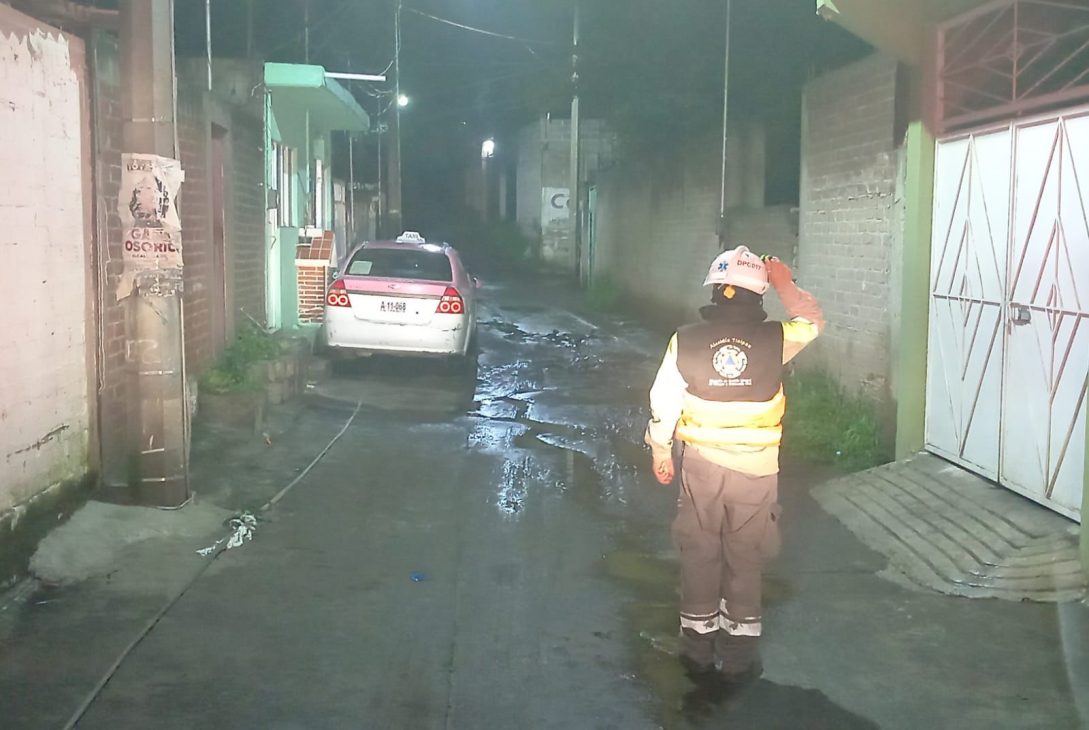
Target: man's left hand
column 663, row 470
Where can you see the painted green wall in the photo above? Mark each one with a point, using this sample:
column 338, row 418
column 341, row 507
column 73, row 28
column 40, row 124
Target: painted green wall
column 915, row 291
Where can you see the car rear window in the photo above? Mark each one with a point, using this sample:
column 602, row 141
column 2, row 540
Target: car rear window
column 391, row 263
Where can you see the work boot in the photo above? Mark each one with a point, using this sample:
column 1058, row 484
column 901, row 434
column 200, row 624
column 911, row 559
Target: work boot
column 698, row 652
column 738, row 657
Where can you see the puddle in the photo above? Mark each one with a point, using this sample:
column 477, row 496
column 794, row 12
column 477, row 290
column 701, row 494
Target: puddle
column 556, row 338
column 513, row 487
column 650, row 574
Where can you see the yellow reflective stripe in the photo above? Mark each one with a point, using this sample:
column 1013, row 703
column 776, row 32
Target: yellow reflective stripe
column 736, row 414
column 722, row 437
column 737, row 423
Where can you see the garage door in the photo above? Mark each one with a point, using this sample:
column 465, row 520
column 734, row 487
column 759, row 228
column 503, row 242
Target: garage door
column 1009, row 322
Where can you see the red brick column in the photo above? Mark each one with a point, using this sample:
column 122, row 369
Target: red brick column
column 313, row 261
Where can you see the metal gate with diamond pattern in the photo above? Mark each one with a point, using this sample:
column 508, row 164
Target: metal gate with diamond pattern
column 1009, row 317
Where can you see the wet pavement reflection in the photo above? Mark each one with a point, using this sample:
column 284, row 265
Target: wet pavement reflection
column 561, row 402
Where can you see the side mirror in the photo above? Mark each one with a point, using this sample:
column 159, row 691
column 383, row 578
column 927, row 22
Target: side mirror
column 477, row 282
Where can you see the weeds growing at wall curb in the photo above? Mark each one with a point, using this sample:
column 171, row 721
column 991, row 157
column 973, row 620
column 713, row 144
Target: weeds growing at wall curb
column 604, row 295
column 234, row 371
column 827, row 424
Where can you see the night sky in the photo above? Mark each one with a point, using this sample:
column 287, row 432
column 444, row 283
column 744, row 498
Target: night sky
column 652, row 68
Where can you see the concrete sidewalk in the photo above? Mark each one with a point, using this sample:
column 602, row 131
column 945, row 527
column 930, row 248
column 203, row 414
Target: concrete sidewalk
column 951, row 531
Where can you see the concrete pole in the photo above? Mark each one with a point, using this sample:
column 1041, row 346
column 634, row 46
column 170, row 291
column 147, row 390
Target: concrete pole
column 380, row 213
column 484, row 188
column 306, row 31
column 393, row 209
column 250, row 39
column 575, row 192
column 351, row 192
column 160, row 449
column 725, row 129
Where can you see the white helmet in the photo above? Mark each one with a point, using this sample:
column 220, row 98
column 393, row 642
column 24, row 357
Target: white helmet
column 739, row 267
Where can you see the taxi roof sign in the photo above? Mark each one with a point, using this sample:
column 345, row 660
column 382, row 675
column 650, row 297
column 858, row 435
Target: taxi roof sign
column 410, row 237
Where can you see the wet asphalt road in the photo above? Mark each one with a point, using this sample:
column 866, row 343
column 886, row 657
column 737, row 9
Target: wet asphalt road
column 443, row 566
column 485, row 548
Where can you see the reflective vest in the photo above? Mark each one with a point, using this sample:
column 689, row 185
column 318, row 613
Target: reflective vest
column 734, row 372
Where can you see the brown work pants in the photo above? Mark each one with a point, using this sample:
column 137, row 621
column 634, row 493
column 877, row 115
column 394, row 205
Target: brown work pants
column 726, row 530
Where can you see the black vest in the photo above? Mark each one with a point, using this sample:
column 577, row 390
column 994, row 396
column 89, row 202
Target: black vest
column 727, row 359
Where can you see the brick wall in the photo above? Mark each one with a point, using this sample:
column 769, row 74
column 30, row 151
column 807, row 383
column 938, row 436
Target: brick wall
column 657, row 228
column 243, row 260
column 544, row 161
column 194, row 206
column 313, row 279
column 245, row 238
column 313, row 257
column 116, row 384
column 246, row 216
column 848, row 216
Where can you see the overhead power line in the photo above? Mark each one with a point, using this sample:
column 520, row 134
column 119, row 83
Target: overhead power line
column 482, row 31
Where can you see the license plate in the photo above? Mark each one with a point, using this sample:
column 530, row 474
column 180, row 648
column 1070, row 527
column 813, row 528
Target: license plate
column 393, row 307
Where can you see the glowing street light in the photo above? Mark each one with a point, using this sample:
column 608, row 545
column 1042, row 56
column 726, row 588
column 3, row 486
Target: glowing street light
column 487, row 150
column 402, row 100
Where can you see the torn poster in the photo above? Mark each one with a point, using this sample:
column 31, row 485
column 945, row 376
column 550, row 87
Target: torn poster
column 151, row 227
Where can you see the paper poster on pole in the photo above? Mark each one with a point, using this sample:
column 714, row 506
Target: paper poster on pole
column 151, row 227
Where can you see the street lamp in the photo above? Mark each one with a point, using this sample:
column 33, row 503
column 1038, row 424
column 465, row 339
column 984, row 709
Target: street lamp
column 487, row 149
column 402, row 100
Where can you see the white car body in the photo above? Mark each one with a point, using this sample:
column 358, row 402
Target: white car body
column 405, row 297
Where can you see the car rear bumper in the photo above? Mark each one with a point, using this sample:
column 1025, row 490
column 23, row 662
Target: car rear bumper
column 344, row 332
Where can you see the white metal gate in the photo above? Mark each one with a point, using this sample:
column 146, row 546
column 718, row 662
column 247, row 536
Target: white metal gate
column 1009, row 316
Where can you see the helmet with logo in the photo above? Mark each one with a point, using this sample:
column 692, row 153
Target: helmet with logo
column 740, row 268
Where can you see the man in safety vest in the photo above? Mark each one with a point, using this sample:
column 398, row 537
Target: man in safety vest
column 720, row 392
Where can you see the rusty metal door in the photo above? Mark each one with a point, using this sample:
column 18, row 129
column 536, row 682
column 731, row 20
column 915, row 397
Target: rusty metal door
column 1047, row 330
column 968, row 279
column 1008, row 357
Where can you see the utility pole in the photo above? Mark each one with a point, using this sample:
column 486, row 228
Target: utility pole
column 393, row 210
column 575, row 202
column 306, row 31
column 250, row 45
column 160, row 426
column 380, row 213
column 208, row 39
column 725, row 128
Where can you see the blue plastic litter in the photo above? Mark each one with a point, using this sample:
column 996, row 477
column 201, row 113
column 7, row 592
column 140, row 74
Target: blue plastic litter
column 419, row 577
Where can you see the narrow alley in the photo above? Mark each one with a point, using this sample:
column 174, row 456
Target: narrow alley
column 518, row 364
column 491, row 552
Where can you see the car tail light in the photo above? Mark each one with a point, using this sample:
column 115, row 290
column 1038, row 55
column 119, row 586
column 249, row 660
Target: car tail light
column 338, row 295
column 451, row 302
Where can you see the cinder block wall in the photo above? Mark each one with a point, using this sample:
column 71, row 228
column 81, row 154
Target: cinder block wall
column 544, row 160
column 849, row 222
column 656, row 228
